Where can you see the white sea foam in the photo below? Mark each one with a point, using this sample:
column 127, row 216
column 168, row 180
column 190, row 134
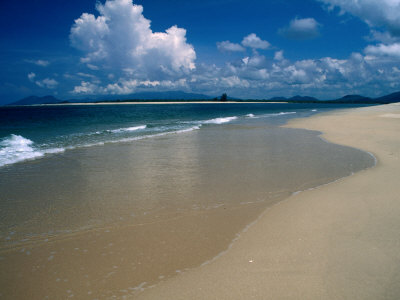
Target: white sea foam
column 252, row 116
column 16, row 148
column 285, row 113
column 314, row 110
column 119, row 130
column 132, row 139
column 184, row 130
column 53, row 150
column 188, row 129
column 219, row 120
column 128, row 129
column 278, row 114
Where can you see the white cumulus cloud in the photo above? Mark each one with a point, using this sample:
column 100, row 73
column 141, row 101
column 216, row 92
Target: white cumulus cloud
column 126, row 56
column 48, row 83
column 127, row 86
column 227, row 46
column 121, row 38
column 86, row 88
column 376, row 13
column 301, row 29
column 253, row 41
column 279, row 55
column 392, row 50
column 31, row 76
column 327, row 78
column 39, row 62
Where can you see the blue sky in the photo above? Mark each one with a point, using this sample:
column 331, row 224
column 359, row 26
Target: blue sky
column 248, row 49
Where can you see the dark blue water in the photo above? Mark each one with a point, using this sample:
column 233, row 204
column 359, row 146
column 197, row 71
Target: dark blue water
column 37, row 131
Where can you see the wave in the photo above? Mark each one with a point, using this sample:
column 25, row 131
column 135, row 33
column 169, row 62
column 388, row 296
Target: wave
column 137, row 138
column 16, row 148
column 119, row 130
column 314, row 110
column 187, row 129
column 219, row 120
column 252, row 116
column 279, row 114
column 127, row 129
column 285, row 113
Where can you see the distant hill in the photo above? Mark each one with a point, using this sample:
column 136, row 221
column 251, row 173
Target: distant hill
column 297, row 98
column 171, row 95
column 303, row 98
column 355, row 99
column 350, row 99
column 278, row 99
column 168, row 95
column 36, row 100
column 391, row 98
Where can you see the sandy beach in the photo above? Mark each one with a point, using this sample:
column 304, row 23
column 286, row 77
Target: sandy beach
column 338, row 241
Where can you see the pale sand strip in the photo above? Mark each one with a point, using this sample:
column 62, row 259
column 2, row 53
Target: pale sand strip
column 339, row 241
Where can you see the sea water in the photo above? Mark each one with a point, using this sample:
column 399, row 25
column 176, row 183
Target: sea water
column 33, row 132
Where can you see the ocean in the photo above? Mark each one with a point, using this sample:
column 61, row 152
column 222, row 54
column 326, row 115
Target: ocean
column 107, row 200
column 37, row 131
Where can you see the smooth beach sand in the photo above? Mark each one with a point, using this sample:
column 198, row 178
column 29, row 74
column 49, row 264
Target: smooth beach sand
column 338, row 241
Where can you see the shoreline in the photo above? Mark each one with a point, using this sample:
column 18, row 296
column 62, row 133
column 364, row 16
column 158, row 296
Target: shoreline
column 336, row 241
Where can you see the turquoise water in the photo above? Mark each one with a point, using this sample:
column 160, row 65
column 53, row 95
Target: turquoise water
column 28, row 133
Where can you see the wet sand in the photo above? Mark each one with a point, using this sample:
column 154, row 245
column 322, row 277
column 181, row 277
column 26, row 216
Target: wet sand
column 125, row 217
column 339, row 241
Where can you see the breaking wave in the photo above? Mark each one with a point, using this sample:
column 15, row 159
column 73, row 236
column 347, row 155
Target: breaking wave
column 219, row 120
column 16, row 148
column 127, row 129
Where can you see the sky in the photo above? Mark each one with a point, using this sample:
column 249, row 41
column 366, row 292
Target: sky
column 250, row 49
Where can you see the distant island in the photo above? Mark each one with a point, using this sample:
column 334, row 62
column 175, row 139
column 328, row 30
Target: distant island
column 180, row 96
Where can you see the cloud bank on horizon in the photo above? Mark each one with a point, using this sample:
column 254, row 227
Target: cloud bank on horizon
column 121, row 54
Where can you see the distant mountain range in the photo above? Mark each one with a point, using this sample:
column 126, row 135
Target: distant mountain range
column 169, row 95
column 353, row 99
column 183, row 96
column 31, row 100
column 295, row 99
